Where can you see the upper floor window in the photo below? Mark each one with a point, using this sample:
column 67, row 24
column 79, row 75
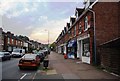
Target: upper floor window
column 75, row 31
column 86, row 23
column 80, row 28
column 69, row 32
column 12, row 41
column 76, row 14
column 16, row 42
column 21, row 43
column 8, row 40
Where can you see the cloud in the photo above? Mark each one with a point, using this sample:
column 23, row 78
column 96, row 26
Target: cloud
column 29, row 27
column 41, row 18
column 12, row 8
column 54, row 27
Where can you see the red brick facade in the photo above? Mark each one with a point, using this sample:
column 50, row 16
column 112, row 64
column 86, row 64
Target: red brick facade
column 107, row 24
column 107, row 27
column 10, row 42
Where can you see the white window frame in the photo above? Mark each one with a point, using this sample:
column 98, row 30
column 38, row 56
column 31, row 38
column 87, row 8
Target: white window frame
column 80, row 26
column 76, row 14
column 16, row 42
column 12, row 41
column 8, row 40
column 86, row 23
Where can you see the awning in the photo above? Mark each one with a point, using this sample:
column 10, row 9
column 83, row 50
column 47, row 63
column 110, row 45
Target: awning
column 72, row 43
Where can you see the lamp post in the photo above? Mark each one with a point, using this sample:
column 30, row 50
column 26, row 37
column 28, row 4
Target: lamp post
column 48, row 37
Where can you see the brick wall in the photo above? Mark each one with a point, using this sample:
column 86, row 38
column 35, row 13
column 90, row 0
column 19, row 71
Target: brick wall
column 107, row 28
column 119, row 18
column 106, row 21
column 110, row 59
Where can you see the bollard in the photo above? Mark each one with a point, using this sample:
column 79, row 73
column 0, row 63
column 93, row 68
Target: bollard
column 45, row 63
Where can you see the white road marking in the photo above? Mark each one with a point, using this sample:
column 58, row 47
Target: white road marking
column 23, row 76
column 34, row 76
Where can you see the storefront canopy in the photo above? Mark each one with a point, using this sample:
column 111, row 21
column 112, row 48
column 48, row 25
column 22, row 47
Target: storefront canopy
column 72, row 43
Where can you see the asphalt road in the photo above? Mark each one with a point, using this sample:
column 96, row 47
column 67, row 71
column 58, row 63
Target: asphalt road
column 10, row 70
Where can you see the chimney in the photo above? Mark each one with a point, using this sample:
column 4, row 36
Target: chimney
column 72, row 20
column 12, row 34
column 8, row 32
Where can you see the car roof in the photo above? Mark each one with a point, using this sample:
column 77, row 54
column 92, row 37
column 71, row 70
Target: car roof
column 3, row 52
column 29, row 56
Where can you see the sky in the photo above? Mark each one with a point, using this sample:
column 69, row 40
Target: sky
column 36, row 18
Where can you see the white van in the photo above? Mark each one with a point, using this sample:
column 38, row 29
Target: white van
column 18, row 52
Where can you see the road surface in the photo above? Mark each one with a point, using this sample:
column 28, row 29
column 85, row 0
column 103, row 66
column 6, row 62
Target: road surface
column 10, row 70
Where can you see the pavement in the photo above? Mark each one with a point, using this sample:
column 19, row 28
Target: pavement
column 60, row 68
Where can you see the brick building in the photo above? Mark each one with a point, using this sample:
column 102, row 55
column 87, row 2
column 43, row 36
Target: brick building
column 1, row 40
column 11, row 42
column 96, row 29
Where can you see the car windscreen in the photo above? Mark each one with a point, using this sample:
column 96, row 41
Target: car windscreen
column 16, row 50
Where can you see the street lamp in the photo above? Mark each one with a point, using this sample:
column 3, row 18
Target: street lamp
column 48, row 37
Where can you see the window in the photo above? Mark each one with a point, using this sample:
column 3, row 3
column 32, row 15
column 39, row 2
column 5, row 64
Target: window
column 21, row 43
column 75, row 31
column 12, row 41
column 86, row 47
column 86, row 23
column 80, row 28
column 69, row 32
column 8, row 40
column 16, row 42
column 76, row 14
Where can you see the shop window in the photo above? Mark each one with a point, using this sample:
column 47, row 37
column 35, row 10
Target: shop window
column 86, row 48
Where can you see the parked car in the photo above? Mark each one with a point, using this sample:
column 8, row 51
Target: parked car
column 5, row 56
column 47, row 51
column 41, row 55
column 18, row 52
column 29, row 61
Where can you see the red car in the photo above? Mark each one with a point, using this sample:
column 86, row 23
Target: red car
column 29, row 61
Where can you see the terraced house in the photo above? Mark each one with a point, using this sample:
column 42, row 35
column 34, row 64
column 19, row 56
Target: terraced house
column 93, row 35
column 1, row 39
column 11, row 42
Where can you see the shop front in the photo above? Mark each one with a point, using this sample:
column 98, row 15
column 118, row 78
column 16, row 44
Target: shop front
column 83, row 51
column 72, row 49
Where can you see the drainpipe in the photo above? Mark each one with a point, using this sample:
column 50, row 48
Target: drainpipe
column 94, row 34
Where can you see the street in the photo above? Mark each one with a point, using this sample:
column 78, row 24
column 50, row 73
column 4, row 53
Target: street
column 59, row 68
column 10, row 70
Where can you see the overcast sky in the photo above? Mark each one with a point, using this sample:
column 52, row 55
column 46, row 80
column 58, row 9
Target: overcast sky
column 31, row 19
